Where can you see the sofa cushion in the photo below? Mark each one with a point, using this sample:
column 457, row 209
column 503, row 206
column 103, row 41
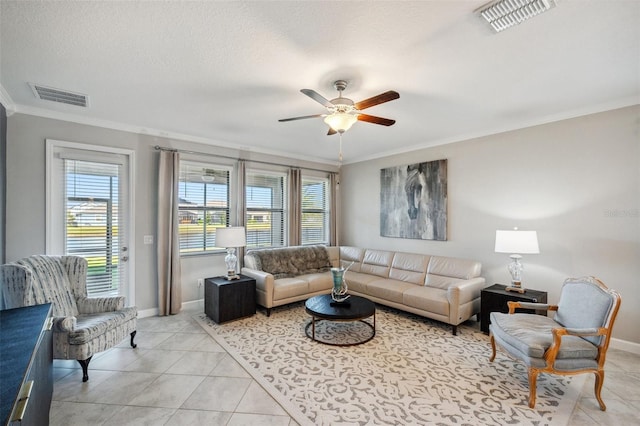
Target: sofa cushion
column 409, row 267
column 449, row 267
column 388, row 289
column 285, row 288
column 377, row 262
column 351, row 256
column 358, row 282
column 318, row 282
column 427, row 299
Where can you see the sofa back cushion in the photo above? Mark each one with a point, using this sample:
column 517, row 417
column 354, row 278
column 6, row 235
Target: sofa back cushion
column 409, row 267
column 349, row 255
column 441, row 270
column 334, row 256
column 287, row 262
column 377, row 262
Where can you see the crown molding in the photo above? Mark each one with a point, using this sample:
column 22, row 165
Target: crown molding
column 7, row 102
column 567, row 115
column 113, row 125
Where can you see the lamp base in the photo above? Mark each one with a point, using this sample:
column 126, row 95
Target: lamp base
column 230, row 277
column 515, row 289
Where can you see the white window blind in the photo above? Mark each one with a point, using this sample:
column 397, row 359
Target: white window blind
column 203, row 206
column 315, row 210
column 93, row 222
column 266, row 195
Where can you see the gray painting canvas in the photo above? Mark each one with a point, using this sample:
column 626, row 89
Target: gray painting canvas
column 413, row 201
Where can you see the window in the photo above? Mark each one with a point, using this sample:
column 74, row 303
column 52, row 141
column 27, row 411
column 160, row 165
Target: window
column 203, row 206
column 265, row 204
column 315, row 210
column 93, row 226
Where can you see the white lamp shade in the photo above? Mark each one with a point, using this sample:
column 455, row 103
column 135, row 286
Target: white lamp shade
column 340, row 121
column 233, row 236
column 517, row 242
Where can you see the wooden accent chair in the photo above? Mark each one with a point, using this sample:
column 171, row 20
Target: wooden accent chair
column 82, row 325
column 575, row 341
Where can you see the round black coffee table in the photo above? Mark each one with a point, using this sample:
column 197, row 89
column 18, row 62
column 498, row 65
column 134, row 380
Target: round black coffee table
column 324, row 308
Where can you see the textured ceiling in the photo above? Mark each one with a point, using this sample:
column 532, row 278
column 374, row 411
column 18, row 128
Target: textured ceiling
column 224, row 72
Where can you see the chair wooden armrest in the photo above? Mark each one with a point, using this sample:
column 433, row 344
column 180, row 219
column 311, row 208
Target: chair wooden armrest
column 529, row 305
column 551, row 353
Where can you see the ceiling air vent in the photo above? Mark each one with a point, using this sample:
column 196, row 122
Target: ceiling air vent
column 58, row 95
column 503, row 14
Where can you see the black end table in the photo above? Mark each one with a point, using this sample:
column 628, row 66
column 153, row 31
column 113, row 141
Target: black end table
column 495, row 298
column 226, row 300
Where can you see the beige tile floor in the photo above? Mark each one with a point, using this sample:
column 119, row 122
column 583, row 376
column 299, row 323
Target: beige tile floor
column 179, row 375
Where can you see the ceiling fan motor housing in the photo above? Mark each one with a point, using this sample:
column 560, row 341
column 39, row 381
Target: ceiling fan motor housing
column 340, row 85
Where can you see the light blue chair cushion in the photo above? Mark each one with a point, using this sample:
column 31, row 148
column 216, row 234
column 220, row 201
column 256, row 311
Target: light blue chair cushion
column 584, row 305
column 527, row 337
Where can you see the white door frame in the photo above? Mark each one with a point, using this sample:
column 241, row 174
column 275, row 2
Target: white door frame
column 51, row 144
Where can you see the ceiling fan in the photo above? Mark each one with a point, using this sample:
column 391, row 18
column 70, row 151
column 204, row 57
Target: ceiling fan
column 343, row 112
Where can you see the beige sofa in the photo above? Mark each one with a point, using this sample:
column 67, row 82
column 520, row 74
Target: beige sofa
column 442, row 288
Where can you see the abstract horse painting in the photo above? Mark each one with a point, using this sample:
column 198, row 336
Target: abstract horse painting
column 413, row 201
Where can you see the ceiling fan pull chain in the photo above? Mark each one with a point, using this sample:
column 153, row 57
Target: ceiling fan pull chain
column 340, row 156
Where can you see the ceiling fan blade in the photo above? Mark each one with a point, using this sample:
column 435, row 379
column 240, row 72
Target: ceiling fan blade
column 317, row 97
column 331, row 132
column 376, row 120
column 376, row 100
column 300, row 118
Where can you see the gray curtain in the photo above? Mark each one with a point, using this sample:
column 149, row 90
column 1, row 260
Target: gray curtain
column 241, row 214
column 169, row 285
column 334, row 186
column 295, row 206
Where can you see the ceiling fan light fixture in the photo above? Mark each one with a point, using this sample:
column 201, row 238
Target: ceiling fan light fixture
column 505, row 14
column 340, row 121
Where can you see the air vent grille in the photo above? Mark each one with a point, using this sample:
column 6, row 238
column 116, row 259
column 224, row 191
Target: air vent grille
column 503, row 14
column 60, row 96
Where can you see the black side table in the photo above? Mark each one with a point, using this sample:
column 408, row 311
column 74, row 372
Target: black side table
column 226, row 300
column 495, row 298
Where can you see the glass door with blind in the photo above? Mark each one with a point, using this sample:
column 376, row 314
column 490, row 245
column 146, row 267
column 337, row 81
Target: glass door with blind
column 88, row 214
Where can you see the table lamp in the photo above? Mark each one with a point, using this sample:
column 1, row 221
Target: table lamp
column 231, row 237
column 517, row 243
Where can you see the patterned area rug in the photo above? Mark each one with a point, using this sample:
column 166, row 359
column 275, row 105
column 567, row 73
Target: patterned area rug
column 414, row 371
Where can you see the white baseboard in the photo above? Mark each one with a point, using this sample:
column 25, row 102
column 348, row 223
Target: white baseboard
column 153, row 312
column 193, row 304
column 625, row 345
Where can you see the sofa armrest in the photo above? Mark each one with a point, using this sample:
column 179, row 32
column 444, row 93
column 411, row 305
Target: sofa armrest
column 94, row 305
column 264, row 286
column 64, row 324
column 462, row 292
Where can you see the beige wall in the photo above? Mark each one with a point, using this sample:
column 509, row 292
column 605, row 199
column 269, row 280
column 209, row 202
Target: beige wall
column 576, row 182
column 25, row 234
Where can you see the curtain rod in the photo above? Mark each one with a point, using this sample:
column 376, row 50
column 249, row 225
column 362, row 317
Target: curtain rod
column 184, row 151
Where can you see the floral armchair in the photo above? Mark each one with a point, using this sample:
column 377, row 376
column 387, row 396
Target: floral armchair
column 82, row 325
column 574, row 341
